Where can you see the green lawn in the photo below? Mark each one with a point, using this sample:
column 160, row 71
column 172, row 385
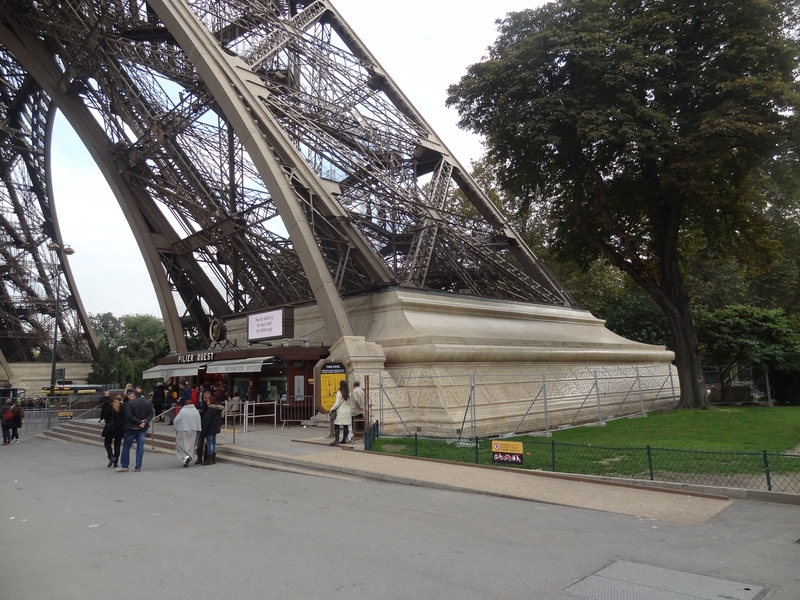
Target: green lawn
column 755, row 428
column 723, row 443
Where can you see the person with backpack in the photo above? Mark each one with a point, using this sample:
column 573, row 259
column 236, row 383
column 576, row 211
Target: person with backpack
column 8, row 418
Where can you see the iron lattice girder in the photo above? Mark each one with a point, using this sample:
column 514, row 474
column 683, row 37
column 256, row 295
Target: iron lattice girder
column 220, row 116
column 28, row 271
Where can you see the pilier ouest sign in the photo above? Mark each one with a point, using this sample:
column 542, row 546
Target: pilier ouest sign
column 192, row 357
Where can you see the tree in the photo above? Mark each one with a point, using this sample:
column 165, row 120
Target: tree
column 129, row 345
column 108, row 328
column 646, row 130
column 745, row 334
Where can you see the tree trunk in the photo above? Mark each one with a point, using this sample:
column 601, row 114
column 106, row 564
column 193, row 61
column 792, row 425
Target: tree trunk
column 687, row 355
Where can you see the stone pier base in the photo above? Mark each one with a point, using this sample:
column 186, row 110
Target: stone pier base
column 438, row 363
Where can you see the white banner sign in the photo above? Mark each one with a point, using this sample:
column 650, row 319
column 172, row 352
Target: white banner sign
column 235, row 368
column 263, row 326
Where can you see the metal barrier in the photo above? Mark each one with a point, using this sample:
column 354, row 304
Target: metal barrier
column 37, row 420
column 250, row 410
column 761, row 470
column 294, row 410
column 530, row 401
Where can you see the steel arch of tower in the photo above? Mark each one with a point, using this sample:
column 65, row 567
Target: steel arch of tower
column 28, row 222
column 263, row 157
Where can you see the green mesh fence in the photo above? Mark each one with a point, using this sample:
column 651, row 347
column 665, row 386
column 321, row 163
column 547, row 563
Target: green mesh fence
column 746, row 470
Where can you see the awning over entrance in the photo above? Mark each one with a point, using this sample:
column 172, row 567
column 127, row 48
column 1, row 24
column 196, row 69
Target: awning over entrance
column 157, row 372
column 186, row 370
column 243, row 365
column 166, row 371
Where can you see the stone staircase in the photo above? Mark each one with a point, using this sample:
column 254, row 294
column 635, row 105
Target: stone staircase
column 89, row 432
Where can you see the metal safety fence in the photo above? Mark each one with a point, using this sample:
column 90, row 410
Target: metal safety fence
column 760, row 470
column 478, row 404
column 37, row 420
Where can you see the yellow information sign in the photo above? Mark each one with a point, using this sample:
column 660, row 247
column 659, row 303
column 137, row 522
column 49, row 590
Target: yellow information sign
column 330, row 376
column 512, row 447
column 65, row 416
column 507, row 452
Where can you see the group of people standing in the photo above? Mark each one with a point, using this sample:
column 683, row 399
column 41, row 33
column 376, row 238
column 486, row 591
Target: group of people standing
column 195, row 414
column 348, row 405
column 197, row 420
column 12, row 415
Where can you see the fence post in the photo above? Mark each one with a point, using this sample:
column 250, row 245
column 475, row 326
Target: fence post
column 597, row 393
column 766, row 470
column 380, row 400
column 546, row 416
column 416, row 444
column 766, row 380
column 553, row 453
column 639, row 383
column 474, row 413
column 672, row 385
column 476, row 449
column 650, row 462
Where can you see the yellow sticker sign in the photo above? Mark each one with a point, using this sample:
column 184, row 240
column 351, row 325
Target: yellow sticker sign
column 507, row 452
column 511, row 447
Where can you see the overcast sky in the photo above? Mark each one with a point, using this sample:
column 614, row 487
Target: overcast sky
column 425, row 46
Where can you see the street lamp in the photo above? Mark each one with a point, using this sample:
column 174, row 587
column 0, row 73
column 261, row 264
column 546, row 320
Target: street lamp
column 60, row 251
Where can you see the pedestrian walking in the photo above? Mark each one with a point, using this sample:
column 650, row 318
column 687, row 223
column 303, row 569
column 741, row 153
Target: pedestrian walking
column 212, row 425
column 187, row 427
column 342, row 410
column 138, row 414
column 7, row 415
column 113, row 413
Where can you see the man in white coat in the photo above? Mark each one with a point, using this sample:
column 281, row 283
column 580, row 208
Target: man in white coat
column 187, row 423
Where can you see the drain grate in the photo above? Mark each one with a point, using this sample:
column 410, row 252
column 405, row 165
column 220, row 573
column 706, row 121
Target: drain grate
column 625, row 580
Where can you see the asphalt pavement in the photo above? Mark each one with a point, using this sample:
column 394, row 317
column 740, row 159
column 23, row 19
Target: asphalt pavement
column 309, row 526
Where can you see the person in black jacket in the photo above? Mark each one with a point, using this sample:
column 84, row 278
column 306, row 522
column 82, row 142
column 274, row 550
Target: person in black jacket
column 202, row 405
column 159, row 397
column 16, row 421
column 212, row 424
column 113, row 413
column 8, row 417
column 138, row 414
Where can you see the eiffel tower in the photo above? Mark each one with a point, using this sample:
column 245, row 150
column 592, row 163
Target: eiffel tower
column 30, row 272
column 262, row 157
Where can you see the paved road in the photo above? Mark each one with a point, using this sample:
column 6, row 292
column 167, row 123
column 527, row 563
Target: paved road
column 73, row 530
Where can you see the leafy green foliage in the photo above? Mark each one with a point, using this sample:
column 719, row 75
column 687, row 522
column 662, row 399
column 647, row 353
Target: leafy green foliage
column 749, row 335
column 129, row 345
column 646, row 131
